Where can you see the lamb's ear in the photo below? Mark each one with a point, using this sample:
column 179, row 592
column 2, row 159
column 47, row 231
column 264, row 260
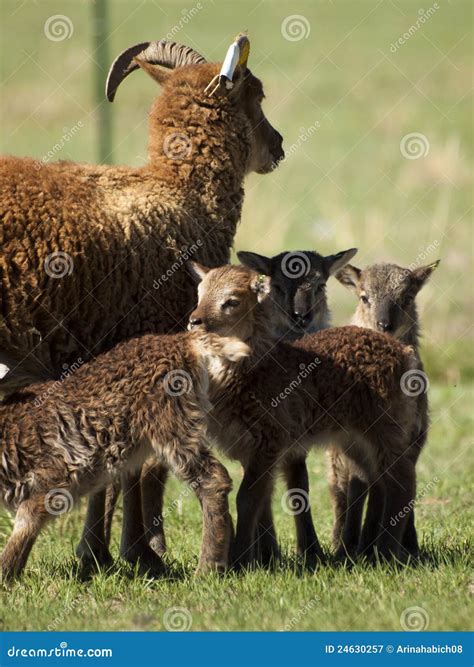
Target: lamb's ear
column 258, row 263
column 261, row 285
column 420, row 275
column 335, row 262
column 157, row 73
column 197, row 271
column 349, row 276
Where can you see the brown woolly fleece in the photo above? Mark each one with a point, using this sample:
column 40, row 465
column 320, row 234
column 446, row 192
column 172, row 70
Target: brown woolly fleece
column 62, row 440
column 123, row 228
column 285, row 398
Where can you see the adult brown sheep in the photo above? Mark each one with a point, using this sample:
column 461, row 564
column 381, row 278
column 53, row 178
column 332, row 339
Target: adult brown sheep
column 93, row 254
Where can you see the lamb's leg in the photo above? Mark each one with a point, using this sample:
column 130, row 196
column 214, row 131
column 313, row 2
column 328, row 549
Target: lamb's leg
column 93, row 549
column 134, row 546
column 255, row 489
column 153, row 482
column 30, row 518
column 210, row 481
column 338, row 489
column 267, row 544
column 410, row 538
column 356, row 495
column 111, row 497
column 373, row 519
column 400, row 484
column 296, row 475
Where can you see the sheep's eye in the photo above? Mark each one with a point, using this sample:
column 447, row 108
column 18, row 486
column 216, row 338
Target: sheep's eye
column 364, row 299
column 320, row 288
column 230, row 303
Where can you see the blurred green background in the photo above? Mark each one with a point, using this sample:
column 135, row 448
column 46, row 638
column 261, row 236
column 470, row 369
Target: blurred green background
column 340, row 87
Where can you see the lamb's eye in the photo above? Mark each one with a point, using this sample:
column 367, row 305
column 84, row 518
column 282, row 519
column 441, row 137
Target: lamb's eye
column 364, row 299
column 230, row 303
column 320, row 288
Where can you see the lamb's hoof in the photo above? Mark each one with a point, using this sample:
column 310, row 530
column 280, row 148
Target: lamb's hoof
column 149, row 563
column 158, row 544
column 345, row 555
column 210, row 567
column 311, row 560
column 93, row 558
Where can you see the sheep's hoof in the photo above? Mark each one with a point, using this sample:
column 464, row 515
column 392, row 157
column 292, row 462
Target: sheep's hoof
column 208, row 567
column 94, row 558
column 157, row 543
column 149, row 563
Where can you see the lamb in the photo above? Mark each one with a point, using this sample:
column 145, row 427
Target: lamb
column 299, row 296
column 348, row 382
column 147, row 395
column 386, row 302
column 93, row 254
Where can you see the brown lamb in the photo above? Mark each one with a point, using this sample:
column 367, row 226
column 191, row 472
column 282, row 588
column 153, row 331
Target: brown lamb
column 94, row 254
column 63, row 440
column 386, row 302
column 284, row 398
column 298, row 280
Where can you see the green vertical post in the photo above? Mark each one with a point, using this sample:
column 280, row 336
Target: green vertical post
column 101, row 57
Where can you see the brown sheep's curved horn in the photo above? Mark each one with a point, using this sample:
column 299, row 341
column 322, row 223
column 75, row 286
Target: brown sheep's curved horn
column 165, row 53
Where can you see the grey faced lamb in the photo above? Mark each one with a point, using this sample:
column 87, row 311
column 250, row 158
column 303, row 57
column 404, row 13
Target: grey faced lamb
column 386, row 296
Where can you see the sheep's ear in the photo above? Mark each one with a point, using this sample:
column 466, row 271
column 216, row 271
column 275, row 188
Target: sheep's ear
column 349, row 276
column 420, row 275
column 335, row 262
column 159, row 74
column 261, row 285
column 197, row 271
column 258, row 263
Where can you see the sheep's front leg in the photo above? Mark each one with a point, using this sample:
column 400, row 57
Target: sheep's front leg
column 357, row 490
column 400, row 484
column 93, row 549
column 134, row 546
column 410, row 538
column 296, row 475
column 267, row 544
column 30, row 518
column 255, row 490
column 197, row 466
column 153, row 482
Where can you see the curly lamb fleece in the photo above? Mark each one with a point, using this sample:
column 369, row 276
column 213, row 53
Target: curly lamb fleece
column 119, row 230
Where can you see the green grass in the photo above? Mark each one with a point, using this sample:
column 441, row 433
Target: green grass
column 50, row 596
column 346, row 185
